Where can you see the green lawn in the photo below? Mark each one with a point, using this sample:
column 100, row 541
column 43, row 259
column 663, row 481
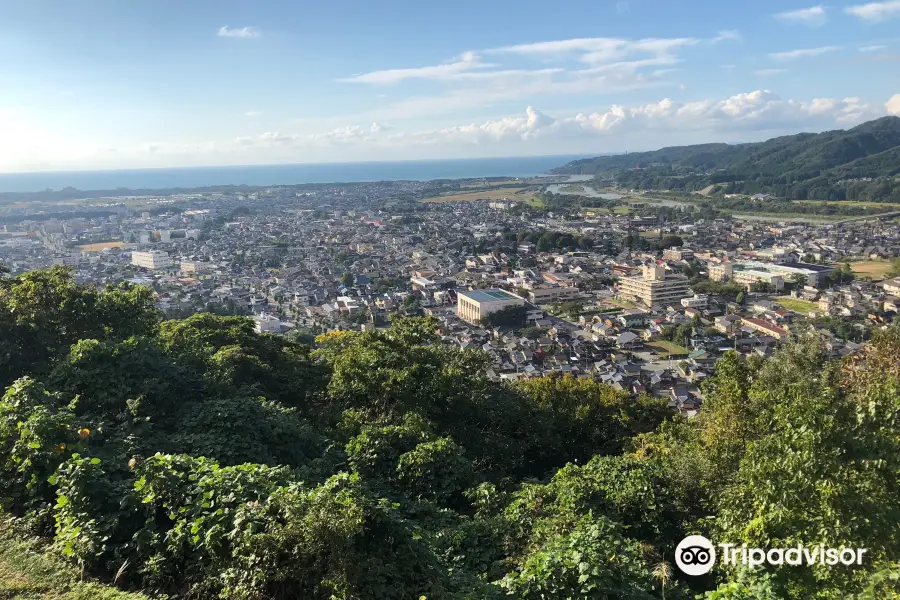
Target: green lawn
column 29, row 573
column 666, row 348
column 622, row 303
column 797, row 305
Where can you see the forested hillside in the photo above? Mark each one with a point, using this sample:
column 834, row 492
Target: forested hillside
column 199, row 459
column 862, row 163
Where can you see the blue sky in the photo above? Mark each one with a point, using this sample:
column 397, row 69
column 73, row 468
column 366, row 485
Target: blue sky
column 93, row 84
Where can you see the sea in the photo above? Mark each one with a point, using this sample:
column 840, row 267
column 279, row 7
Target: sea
column 193, row 177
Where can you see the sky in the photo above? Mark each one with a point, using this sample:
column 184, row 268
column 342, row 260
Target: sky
column 119, row 84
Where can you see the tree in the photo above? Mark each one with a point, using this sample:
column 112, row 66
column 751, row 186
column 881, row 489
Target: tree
column 762, row 287
column 347, row 279
column 510, row 316
column 669, row 241
column 532, row 333
column 799, row 280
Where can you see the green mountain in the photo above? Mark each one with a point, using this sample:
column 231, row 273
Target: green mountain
column 862, row 163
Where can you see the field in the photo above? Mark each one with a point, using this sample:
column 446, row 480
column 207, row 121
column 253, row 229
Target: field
column 797, row 305
column 518, row 194
column 876, row 269
column 666, row 348
column 572, row 189
column 101, row 246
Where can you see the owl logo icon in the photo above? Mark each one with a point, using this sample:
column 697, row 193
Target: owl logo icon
column 695, row 555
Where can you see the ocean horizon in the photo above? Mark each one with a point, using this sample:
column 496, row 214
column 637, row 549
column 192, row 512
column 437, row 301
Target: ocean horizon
column 295, row 174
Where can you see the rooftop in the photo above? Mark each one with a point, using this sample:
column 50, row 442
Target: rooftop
column 488, row 295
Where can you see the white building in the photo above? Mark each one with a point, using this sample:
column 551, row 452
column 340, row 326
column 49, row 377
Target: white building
column 547, row 294
column 696, row 301
column 655, row 287
column 749, row 272
column 267, row 323
column 475, row 305
column 153, row 260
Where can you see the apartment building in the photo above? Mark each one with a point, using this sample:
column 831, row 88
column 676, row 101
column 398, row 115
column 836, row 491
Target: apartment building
column 655, row 287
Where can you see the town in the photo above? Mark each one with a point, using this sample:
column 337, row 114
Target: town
column 640, row 295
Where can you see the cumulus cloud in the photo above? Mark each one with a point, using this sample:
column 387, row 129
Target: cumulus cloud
column 812, row 16
column 802, row 53
column 239, row 32
column 760, row 110
column 875, row 11
column 893, row 105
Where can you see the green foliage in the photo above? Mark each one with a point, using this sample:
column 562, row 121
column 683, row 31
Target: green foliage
column 593, row 561
column 42, row 313
column 511, row 316
column 200, row 459
column 670, row 241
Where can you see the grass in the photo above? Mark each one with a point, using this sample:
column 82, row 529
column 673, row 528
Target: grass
column 496, row 194
column 666, row 348
column 101, row 246
column 27, row 573
column 622, row 303
column 876, row 269
column 572, row 189
column 797, row 305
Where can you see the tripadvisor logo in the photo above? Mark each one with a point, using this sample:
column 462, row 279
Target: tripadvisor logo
column 696, row 555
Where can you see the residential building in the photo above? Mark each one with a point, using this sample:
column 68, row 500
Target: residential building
column 655, row 287
column 892, row 286
column 766, row 328
column 678, row 254
column 472, row 306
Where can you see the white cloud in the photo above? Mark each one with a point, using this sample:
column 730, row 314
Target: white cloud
column 802, row 53
column 598, row 50
column 874, row 48
column 239, row 32
column 727, row 35
column 812, row 16
column 743, row 117
column 768, row 72
column 760, row 110
column 252, row 113
column 893, row 105
column 875, row 11
column 465, row 63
